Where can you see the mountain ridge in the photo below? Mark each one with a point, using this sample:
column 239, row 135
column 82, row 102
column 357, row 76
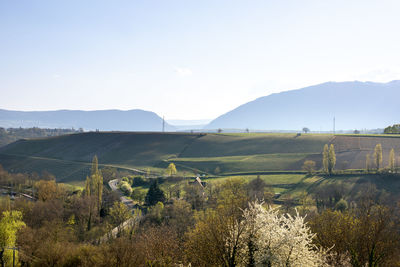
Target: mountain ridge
column 316, row 106
column 105, row 120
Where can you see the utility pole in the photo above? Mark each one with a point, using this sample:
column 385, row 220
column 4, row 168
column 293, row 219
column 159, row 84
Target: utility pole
column 334, row 125
column 163, row 124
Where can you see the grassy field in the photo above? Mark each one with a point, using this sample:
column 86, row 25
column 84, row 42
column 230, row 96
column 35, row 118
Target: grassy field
column 69, row 156
column 271, row 162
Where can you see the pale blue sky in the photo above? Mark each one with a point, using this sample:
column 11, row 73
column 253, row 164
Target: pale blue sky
column 187, row 59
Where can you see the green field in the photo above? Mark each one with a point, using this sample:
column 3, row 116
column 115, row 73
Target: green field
column 69, row 156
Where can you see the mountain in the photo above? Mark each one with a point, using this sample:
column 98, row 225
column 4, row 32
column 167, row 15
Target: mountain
column 104, row 120
column 354, row 105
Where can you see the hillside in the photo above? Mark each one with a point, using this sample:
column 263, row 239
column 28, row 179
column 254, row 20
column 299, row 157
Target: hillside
column 355, row 105
column 104, row 120
column 69, row 156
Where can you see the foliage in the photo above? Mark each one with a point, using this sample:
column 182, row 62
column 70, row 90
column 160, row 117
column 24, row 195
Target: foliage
column 94, row 184
column 271, row 239
column 216, row 237
column 331, row 159
column 364, row 237
column 10, row 223
column 325, row 159
column 392, row 161
column 394, row 129
column 171, row 169
column 368, row 162
column 49, row 190
column 119, row 213
column 378, row 156
column 309, row 166
column 341, row 205
column 154, row 194
column 126, row 188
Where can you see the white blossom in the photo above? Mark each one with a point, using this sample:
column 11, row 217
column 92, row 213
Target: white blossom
column 278, row 240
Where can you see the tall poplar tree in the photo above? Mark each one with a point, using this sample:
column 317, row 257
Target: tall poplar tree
column 378, row 156
column 325, row 155
column 94, row 184
column 331, row 159
column 392, row 161
column 368, row 162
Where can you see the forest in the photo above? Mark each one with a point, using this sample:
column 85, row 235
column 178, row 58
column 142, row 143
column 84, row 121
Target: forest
column 233, row 222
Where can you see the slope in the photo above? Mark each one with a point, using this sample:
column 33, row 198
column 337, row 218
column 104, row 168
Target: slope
column 69, row 156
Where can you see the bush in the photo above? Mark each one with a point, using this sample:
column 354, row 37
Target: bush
column 126, row 188
column 341, row 205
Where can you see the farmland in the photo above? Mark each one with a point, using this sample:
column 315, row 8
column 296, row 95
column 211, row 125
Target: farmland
column 68, row 157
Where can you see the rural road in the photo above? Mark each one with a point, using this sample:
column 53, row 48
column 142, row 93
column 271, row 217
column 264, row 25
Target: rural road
column 129, row 203
column 114, row 187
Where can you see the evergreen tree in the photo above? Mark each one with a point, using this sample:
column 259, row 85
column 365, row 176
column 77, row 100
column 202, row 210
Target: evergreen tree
column 378, row 156
column 392, row 161
column 331, row 159
column 154, row 195
column 325, row 156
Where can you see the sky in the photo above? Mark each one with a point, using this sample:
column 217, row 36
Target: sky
column 187, row 60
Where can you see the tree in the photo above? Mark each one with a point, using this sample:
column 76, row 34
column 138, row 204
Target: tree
column 325, row 159
column 119, row 213
column 216, row 239
column 10, row 223
column 306, row 130
column 94, row 184
column 378, row 156
column 171, row 169
column 271, row 239
column 309, row 166
column 94, row 190
column 46, row 190
column 362, row 237
column 368, row 162
column 126, row 188
column 392, row 161
column 154, row 195
column 331, row 159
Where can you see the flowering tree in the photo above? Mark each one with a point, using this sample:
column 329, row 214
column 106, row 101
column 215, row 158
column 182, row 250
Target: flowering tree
column 278, row 240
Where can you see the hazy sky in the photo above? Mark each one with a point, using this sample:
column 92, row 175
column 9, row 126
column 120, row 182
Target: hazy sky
column 187, row 59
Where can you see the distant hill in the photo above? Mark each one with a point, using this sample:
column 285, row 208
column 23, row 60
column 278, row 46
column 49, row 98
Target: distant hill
column 10, row 135
column 104, row 120
column 355, row 105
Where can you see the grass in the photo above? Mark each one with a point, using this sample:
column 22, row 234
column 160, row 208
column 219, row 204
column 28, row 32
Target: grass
column 258, row 162
column 69, row 156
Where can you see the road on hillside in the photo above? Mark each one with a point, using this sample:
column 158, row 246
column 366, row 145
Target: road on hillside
column 114, row 187
column 129, row 203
